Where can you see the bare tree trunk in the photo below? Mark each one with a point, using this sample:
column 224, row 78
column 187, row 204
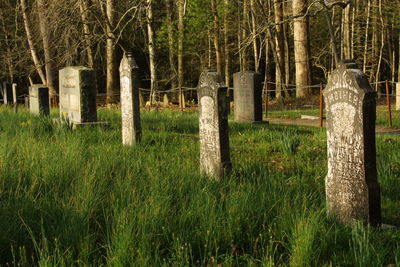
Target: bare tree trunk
column 245, row 22
column 29, row 37
column 254, row 35
column 346, row 31
column 218, row 54
column 181, row 14
column 50, row 65
column 280, row 47
column 353, row 28
column 378, row 68
column 111, row 83
column 84, row 6
column 226, row 44
column 171, row 54
column 366, row 36
column 301, row 48
column 152, row 52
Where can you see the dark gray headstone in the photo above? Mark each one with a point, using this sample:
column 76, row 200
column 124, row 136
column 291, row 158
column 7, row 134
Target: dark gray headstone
column 213, row 122
column 130, row 103
column 39, row 99
column 352, row 190
column 7, row 94
column 77, row 95
column 247, row 96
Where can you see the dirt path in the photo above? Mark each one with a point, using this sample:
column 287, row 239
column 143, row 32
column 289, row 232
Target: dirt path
column 315, row 123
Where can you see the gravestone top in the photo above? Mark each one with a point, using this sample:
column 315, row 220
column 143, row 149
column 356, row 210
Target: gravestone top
column 352, row 190
column 210, row 79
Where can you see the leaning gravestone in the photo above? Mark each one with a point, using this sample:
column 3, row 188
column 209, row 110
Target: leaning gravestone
column 7, row 94
column 77, row 95
column 39, row 99
column 130, row 104
column 247, row 96
column 213, row 122
column 352, row 190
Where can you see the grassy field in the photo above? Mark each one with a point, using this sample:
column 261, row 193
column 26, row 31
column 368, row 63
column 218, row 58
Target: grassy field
column 79, row 198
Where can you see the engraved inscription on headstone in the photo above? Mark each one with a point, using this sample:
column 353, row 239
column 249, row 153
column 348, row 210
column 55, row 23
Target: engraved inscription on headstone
column 213, row 122
column 39, row 99
column 248, row 96
column 130, row 106
column 77, row 95
column 352, row 190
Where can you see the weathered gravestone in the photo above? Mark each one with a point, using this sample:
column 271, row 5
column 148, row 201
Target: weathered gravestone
column 77, row 95
column 352, row 190
column 39, row 99
column 213, row 122
column 247, row 96
column 7, row 94
column 130, row 104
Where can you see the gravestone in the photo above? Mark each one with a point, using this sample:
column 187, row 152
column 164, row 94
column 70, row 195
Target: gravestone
column 77, row 95
column 26, row 102
column 165, row 101
column 14, row 94
column 39, row 99
column 247, row 96
column 213, row 125
column 397, row 96
column 352, row 190
column 130, row 103
column 7, row 94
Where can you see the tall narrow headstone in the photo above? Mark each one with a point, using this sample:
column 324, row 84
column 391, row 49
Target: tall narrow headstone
column 130, row 103
column 77, row 95
column 39, row 99
column 7, row 94
column 247, row 96
column 14, row 94
column 213, row 125
column 352, row 190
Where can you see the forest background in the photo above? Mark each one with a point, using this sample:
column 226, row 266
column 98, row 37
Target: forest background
column 174, row 40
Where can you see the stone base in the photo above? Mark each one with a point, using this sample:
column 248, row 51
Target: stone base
column 309, row 117
column 94, row 124
column 252, row 122
column 74, row 125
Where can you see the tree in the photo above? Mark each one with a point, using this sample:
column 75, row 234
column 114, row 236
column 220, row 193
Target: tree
column 301, row 48
column 152, row 51
column 280, row 48
column 216, row 35
column 48, row 49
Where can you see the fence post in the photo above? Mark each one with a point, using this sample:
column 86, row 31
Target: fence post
column 388, row 103
column 321, row 105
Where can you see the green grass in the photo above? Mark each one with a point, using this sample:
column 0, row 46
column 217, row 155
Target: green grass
column 73, row 198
